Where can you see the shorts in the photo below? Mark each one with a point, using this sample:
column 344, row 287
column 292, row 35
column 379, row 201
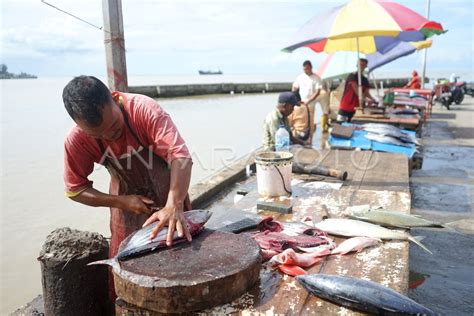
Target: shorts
column 344, row 116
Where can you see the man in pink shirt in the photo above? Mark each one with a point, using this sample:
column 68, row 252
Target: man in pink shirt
column 149, row 163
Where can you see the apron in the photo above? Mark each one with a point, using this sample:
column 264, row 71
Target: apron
column 142, row 173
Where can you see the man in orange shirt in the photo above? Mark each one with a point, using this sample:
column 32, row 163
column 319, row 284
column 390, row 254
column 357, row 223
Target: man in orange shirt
column 149, row 163
column 415, row 82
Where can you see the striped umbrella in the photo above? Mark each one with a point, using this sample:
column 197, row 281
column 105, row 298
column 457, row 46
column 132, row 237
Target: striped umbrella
column 338, row 65
column 366, row 26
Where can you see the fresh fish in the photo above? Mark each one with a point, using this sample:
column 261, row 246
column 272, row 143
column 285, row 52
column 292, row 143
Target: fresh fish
column 139, row 242
column 361, row 295
column 291, row 270
column 389, row 130
column 386, row 139
column 290, row 257
column 355, row 244
column 393, row 219
column 331, row 245
column 354, row 228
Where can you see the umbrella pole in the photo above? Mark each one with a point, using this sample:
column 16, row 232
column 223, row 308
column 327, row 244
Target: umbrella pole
column 374, row 80
column 359, row 76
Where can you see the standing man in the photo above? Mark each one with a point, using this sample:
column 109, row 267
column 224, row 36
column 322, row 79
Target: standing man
column 309, row 85
column 279, row 116
column 350, row 96
column 136, row 140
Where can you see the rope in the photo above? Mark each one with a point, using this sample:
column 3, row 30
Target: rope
column 76, row 17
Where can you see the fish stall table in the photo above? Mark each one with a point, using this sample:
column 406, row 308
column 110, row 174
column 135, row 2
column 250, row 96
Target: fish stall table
column 373, row 178
column 410, row 122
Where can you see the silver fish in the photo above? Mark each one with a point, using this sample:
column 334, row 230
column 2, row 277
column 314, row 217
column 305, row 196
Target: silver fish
column 393, row 219
column 354, row 228
column 139, row 242
column 386, row 139
column 361, row 295
column 389, row 130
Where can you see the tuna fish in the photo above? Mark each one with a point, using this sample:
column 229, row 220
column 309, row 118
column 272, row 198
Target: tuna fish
column 389, row 130
column 393, row 219
column 354, row 228
column 139, row 242
column 355, row 244
column 361, row 295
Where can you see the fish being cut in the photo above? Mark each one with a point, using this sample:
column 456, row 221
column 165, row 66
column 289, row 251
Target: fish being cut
column 288, row 228
column 392, row 219
column 355, row 244
column 279, row 241
column 139, row 242
column 354, row 228
column 291, row 270
column 361, row 295
column 306, row 260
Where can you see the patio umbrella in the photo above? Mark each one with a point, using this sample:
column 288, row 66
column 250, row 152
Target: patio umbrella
column 337, row 65
column 365, row 26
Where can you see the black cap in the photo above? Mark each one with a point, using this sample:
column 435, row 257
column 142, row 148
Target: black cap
column 288, row 98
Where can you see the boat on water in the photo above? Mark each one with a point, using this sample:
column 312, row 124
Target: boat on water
column 211, row 72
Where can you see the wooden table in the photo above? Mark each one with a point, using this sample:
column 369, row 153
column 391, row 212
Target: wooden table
column 374, row 178
column 410, row 123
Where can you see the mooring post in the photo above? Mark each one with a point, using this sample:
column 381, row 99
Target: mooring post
column 70, row 286
column 115, row 45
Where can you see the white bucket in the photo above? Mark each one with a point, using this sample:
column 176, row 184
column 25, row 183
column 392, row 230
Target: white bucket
column 274, row 173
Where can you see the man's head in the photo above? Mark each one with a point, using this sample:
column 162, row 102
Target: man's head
column 90, row 104
column 414, row 73
column 363, row 64
column 307, row 67
column 287, row 102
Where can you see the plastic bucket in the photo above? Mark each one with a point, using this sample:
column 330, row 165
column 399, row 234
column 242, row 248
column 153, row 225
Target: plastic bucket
column 274, row 173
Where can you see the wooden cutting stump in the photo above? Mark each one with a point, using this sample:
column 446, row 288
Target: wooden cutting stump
column 214, row 269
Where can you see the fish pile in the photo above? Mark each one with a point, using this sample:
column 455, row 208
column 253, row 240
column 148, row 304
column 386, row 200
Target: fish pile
column 292, row 246
column 361, row 295
column 389, row 134
column 355, row 228
column 140, row 243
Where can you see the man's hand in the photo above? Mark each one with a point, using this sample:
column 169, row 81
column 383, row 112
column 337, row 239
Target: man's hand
column 171, row 215
column 135, row 203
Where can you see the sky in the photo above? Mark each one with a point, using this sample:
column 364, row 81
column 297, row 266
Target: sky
column 178, row 37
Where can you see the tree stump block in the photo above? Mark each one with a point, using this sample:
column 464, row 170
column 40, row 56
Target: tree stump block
column 70, row 287
column 214, row 269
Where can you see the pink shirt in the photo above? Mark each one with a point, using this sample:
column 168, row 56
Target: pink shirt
column 152, row 125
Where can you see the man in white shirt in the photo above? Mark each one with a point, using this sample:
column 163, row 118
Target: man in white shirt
column 309, row 86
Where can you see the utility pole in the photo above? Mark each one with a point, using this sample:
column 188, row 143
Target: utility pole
column 425, row 51
column 115, row 45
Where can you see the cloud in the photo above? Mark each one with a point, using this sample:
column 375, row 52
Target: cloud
column 178, row 36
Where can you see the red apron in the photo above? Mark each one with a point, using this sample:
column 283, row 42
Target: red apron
column 141, row 173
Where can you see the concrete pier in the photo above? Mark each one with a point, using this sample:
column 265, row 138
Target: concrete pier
column 183, row 90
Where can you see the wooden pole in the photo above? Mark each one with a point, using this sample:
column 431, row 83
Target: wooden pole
column 115, row 45
column 425, row 50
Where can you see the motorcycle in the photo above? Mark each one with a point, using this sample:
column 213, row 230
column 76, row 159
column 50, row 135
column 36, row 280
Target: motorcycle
column 448, row 93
